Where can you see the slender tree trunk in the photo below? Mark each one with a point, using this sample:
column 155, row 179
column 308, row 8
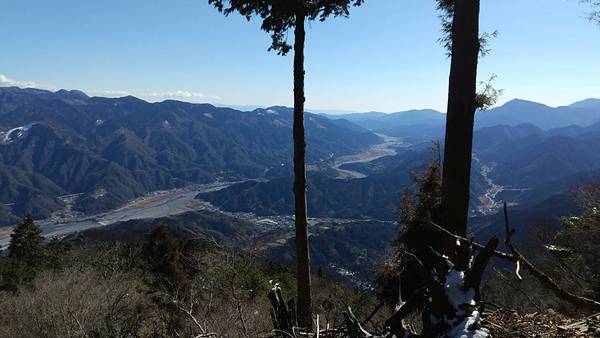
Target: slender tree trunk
column 304, row 308
column 460, row 116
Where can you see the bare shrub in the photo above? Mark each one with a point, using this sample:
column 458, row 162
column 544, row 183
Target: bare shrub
column 76, row 303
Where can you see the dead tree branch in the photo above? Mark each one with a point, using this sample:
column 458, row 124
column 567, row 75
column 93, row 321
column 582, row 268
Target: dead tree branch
column 546, row 280
column 475, row 245
column 516, row 257
column 355, row 330
column 394, row 323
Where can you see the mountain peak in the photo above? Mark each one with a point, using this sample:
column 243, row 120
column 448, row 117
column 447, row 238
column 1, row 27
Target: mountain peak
column 517, row 103
column 587, row 103
column 71, row 94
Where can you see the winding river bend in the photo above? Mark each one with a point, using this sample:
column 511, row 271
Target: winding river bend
column 154, row 205
column 173, row 202
column 386, row 148
column 488, row 204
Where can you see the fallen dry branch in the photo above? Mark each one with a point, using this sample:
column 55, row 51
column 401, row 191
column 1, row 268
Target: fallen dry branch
column 511, row 324
column 394, row 323
column 588, row 325
column 433, row 292
column 373, row 313
column 547, row 281
column 518, row 258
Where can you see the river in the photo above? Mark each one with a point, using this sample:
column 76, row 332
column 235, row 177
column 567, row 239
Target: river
column 154, row 205
column 386, row 148
column 177, row 201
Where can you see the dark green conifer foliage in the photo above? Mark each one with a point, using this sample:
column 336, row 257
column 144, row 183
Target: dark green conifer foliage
column 56, row 253
column 26, row 243
column 396, row 280
column 594, row 14
column 279, row 17
column 15, row 274
column 26, row 255
column 162, row 255
column 418, row 210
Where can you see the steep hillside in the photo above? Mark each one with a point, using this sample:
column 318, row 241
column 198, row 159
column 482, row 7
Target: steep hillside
column 520, row 164
column 112, row 150
column 376, row 196
column 527, row 156
column 527, row 165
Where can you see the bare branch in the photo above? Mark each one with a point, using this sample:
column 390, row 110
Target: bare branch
column 546, row 280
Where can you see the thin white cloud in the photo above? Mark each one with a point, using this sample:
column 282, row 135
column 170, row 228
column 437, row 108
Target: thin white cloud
column 184, row 95
column 5, row 81
column 107, row 93
column 180, row 95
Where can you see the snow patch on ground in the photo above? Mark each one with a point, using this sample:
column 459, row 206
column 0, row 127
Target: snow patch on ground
column 14, row 134
column 271, row 111
column 453, row 287
column 470, row 327
column 209, row 115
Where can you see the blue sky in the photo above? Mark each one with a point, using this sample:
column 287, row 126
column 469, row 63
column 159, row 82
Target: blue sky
column 385, row 57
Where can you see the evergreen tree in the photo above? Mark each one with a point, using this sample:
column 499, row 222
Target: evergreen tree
column 396, row 279
column 278, row 17
column 26, row 243
column 161, row 252
column 15, row 274
column 26, row 255
column 55, row 253
column 594, row 14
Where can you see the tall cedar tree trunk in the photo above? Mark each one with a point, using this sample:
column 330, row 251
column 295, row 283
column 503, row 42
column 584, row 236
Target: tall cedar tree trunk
column 460, row 117
column 304, row 308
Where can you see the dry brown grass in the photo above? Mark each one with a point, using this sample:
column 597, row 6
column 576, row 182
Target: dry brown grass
column 103, row 296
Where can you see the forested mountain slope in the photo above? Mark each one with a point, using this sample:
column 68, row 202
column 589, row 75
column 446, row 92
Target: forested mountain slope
column 112, row 150
column 521, row 164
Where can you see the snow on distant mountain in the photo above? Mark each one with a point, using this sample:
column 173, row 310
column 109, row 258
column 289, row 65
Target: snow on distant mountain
column 14, row 134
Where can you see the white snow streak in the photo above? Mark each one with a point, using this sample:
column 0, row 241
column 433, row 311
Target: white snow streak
column 14, row 134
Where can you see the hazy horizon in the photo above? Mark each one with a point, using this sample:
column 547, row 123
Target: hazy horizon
column 250, row 107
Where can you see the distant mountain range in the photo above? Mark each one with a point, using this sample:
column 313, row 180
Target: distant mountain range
column 110, row 150
column 535, row 166
column 429, row 124
column 64, row 150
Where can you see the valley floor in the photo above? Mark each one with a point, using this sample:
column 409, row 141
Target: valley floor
column 386, row 148
column 177, row 201
column 154, row 205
